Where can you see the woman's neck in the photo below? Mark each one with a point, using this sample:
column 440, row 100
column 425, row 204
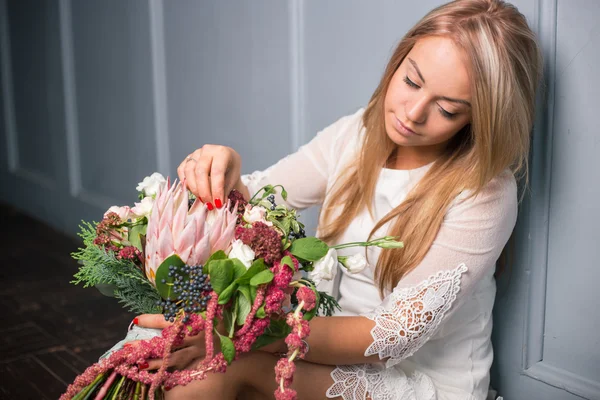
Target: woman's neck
column 406, row 158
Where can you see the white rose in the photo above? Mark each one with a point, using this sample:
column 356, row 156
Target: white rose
column 242, row 252
column 144, row 208
column 325, row 268
column 355, row 263
column 151, row 184
column 254, row 214
column 122, row 212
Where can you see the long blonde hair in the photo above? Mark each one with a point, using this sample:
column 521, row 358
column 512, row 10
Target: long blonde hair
column 505, row 65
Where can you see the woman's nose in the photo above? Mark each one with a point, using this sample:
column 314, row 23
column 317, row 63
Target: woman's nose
column 416, row 110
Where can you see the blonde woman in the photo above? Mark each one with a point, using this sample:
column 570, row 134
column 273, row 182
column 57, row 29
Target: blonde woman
column 433, row 159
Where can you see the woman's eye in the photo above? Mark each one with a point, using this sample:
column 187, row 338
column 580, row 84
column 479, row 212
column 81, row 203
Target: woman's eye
column 446, row 114
column 410, row 83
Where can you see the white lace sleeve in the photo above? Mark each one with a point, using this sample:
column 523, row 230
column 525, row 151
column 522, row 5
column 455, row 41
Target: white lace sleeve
column 411, row 315
column 467, row 246
column 305, row 174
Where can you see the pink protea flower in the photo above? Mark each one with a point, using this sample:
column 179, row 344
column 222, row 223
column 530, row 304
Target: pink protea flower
column 192, row 234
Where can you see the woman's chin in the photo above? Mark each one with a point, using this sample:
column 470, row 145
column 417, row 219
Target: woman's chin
column 398, row 139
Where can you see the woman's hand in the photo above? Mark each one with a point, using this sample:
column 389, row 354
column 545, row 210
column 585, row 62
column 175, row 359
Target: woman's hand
column 191, row 351
column 211, row 172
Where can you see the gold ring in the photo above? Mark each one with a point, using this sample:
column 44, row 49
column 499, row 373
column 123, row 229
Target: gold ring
column 188, row 158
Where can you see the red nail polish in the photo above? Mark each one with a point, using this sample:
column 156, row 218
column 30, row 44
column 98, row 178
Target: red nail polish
column 136, row 320
column 144, row 365
column 210, row 206
column 167, row 388
column 218, row 203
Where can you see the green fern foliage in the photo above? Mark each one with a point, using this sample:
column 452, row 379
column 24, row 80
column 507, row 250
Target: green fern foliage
column 131, row 286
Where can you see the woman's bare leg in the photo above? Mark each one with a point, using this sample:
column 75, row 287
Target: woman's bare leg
column 252, row 377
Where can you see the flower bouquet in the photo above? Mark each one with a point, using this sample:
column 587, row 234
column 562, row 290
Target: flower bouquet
column 247, row 268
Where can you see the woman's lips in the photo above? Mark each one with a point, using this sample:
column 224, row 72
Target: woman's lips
column 403, row 129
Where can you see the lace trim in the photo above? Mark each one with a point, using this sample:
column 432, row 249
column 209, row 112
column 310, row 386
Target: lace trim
column 375, row 382
column 403, row 326
column 252, row 179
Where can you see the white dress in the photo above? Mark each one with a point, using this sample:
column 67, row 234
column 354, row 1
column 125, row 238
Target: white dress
column 444, row 351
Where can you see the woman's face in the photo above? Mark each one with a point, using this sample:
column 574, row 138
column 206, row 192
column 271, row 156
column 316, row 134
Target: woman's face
column 428, row 99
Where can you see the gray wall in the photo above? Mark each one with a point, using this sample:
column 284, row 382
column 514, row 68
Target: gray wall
column 96, row 94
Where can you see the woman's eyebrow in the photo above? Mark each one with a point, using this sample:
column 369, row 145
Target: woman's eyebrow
column 456, row 100
column 414, row 64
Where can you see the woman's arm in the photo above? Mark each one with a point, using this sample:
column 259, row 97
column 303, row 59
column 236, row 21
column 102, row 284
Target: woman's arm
column 464, row 252
column 340, row 340
column 305, row 173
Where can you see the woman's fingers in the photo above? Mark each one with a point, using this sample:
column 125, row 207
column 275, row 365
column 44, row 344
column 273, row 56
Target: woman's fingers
column 218, row 171
column 156, row 321
column 210, row 173
column 202, row 178
column 189, row 170
column 151, row 365
column 196, row 340
column 179, row 360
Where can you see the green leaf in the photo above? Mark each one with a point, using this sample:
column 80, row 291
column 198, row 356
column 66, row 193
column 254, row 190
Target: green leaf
column 287, row 224
column 281, row 227
column 227, row 348
column 228, row 319
column 284, row 193
column 262, row 277
column 309, row 248
column 253, row 291
column 106, row 289
column 245, row 290
column 162, row 273
column 260, row 313
column 134, row 235
column 287, row 260
column 221, row 274
column 244, row 307
column 225, row 296
column 256, row 267
column 218, row 255
column 278, row 329
column 233, row 316
column 239, row 269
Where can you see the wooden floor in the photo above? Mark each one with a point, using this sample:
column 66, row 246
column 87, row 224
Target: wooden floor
column 50, row 330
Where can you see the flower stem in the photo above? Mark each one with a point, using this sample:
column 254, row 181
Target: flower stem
column 116, row 392
column 298, row 309
column 375, row 242
column 199, row 372
column 138, row 388
column 351, row 244
column 106, row 385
